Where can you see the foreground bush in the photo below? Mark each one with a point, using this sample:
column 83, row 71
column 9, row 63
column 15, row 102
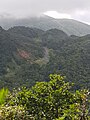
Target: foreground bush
column 3, row 94
column 14, row 113
column 53, row 100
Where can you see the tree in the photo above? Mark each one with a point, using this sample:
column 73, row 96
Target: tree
column 53, row 100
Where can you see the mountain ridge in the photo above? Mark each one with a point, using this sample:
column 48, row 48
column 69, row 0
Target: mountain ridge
column 69, row 26
column 28, row 55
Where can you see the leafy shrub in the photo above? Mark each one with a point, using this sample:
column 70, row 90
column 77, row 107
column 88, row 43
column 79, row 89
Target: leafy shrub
column 51, row 100
column 14, row 113
column 3, row 94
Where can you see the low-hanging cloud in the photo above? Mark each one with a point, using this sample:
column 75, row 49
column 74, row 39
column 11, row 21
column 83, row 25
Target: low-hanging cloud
column 77, row 9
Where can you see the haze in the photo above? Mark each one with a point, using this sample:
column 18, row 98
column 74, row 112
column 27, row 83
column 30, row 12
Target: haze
column 75, row 9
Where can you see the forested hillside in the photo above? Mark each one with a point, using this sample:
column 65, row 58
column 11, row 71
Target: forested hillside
column 28, row 55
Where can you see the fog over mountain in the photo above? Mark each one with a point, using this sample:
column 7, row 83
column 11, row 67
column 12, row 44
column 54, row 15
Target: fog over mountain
column 46, row 14
column 76, row 9
column 42, row 37
column 44, row 59
column 70, row 26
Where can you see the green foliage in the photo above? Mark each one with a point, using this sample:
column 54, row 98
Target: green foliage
column 28, row 55
column 52, row 100
column 14, row 113
column 3, row 94
column 11, row 112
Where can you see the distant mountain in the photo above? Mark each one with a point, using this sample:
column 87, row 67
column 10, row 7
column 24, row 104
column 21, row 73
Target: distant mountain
column 28, row 55
column 69, row 26
column 26, row 31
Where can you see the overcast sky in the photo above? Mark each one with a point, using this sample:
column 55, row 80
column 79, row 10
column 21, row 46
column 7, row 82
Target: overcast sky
column 76, row 9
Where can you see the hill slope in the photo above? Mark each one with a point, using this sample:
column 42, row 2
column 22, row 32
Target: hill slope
column 30, row 54
column 70, row 26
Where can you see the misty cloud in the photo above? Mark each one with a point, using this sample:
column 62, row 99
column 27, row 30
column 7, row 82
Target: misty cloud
column 77, row 9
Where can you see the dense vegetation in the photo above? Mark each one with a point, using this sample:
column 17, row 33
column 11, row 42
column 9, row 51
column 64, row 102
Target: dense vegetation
column 53, row 100
column 28, row 55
